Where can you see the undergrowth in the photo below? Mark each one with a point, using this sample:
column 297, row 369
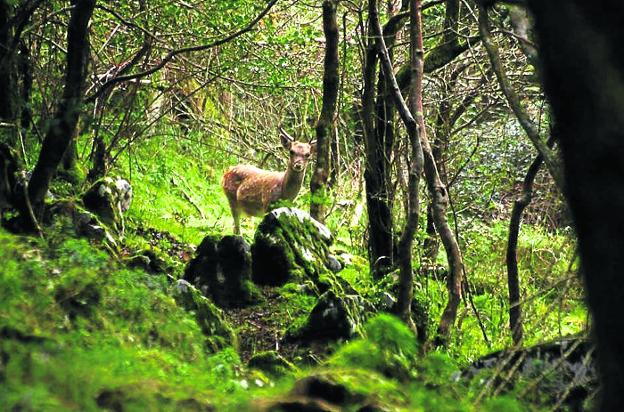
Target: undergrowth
column 79, row 330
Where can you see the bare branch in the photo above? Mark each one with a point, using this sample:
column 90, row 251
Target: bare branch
column 120, row 79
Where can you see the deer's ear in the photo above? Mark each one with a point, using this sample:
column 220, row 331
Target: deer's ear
column 313, row 146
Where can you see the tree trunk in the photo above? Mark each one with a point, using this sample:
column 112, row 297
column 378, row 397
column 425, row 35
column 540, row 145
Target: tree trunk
column 513, row 281
column 406, row 276
column 386, row 111
column 324, row 126
column 59, row 136
column 379, row 137
column 9, row 96
column 582, row 64
column 25, row 68
column 380, row 226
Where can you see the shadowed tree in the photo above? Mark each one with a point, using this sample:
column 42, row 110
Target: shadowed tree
column 582, row 64
column 325, row 124
column 61, row 129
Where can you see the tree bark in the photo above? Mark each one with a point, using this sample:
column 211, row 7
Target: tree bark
column 25, row 68
column 380, row 224
column 9, row 95
column 324, row 126
column 439, row 204
column 60, row 133
column 511, row 260
column 386, row 112
column 582, row 65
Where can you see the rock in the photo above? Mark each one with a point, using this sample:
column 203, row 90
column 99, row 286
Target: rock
column 272, row 363
column 322, row 387
column 112, row 400
column 333, row 264
column 148, row 261
column 338, row 314
column 221, row 269
column 569, row 364
column 299, row 404
column 316, row 393
column 202, row 271
column 85, row 223
column 124, row 398
column 289, row 245
column 109, row 198
column 210, row 318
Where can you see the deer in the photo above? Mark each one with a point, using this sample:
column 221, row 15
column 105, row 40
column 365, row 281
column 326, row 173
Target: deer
column 251, row 190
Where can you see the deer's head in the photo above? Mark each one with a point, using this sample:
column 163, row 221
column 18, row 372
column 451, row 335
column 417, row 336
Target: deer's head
column 300, row 153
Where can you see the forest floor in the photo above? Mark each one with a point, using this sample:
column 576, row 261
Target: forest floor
column 262, row 328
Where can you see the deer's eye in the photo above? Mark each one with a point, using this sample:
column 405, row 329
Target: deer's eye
column 307, row 155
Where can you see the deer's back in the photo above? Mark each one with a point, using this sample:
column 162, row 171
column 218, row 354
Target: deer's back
column 252, row 189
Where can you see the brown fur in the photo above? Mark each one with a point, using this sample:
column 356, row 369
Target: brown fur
column 251, row 190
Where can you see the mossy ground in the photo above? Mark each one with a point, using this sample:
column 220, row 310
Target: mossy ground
column 80, row 330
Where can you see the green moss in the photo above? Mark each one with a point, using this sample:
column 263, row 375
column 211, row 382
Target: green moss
column 209, row 317
column 133, row 343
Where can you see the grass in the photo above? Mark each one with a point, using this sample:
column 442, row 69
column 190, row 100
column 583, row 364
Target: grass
column 79, row 328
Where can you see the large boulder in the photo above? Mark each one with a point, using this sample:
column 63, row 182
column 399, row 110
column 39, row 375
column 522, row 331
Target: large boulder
column 221, row 269
column 109, row 198
column 209, row 317
column 289, row 245
column 339, row 313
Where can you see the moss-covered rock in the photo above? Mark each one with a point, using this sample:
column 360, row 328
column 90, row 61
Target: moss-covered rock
column 149, row 261
column 271, row 363
column 209, row 317
column 70, row 215
column 221, row 269
column 322, row 386
column 109, row 198
column 289, row 245
column 338, row 314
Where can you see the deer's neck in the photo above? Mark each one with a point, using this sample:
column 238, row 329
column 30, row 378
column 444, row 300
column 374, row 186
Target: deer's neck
column 292, row 183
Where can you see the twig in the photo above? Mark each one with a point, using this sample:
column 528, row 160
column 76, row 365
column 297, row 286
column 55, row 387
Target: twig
column 187, row 196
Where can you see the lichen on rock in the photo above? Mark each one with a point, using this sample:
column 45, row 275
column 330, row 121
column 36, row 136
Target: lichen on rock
column 109, row 198
column 289, row 245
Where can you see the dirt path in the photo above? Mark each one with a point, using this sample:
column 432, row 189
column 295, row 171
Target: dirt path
column 262, row 327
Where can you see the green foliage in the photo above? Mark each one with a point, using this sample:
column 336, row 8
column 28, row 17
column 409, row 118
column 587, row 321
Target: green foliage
column 389, row 348
column 503, row 403
column 75, row 326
